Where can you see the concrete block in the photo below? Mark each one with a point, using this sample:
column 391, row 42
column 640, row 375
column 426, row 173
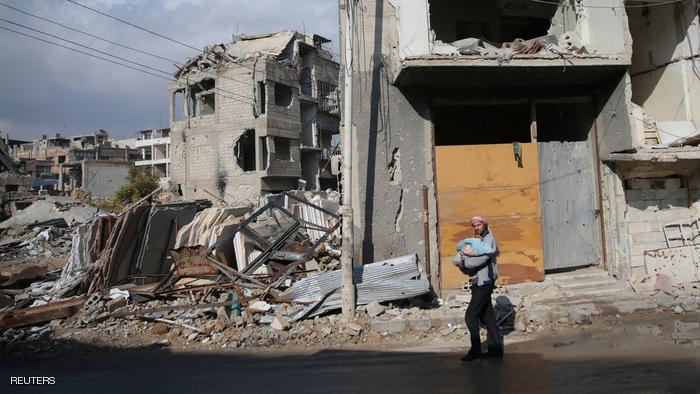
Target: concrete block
column 637, row 261
column 115, row 303
column 672, row 183
column 665, row 216
column 653, row 237
column 636, row 216
column 690, row 305
column 420, row 324
column 639, row 183
column 665, row 300
column 395, row 325
column 633, row 195
column 643, row 227
column 673, row 203
column 279, row 323
column 375, row 309
column 446, row 321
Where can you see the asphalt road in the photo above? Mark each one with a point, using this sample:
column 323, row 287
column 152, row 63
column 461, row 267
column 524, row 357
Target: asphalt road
column 608, row 361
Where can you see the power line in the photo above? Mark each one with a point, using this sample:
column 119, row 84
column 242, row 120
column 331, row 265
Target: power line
column 103, row 52
column 85, row 53
column 609, row 7
column 175, row 62
column 88, row 34
column 86, row 47
column 123, row 65
column 133, row 25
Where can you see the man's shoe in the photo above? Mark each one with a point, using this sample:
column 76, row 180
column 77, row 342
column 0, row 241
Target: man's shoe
column 470, row 357
column 494, row 353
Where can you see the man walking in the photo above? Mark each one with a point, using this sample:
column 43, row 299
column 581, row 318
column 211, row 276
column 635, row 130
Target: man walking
column 483, row 271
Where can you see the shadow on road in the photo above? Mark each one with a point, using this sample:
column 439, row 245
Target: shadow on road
column 87, row 368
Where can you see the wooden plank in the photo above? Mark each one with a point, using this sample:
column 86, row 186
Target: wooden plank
column 486, row 180
column 41, row 314
column 459, row 206
column 462, row 167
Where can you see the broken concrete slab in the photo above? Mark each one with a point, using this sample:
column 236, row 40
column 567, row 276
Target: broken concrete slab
column 396, row 325
column 375, row 309
column 280, row 323
column 678, row 263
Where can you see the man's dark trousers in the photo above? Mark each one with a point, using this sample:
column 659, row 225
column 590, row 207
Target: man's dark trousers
column 481, row 309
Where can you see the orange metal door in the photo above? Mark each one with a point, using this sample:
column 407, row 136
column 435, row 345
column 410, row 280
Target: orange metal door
column 486, row 180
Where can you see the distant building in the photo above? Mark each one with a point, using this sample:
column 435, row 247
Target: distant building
column 55, row 163
column 154, row 151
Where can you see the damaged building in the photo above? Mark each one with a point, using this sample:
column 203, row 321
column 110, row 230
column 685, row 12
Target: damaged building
column 570, row 124
column 254, row 116
column 60, row 164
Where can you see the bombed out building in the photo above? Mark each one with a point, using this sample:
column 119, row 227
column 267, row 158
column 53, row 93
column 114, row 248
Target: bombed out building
column 572, row 125
column 257, row 115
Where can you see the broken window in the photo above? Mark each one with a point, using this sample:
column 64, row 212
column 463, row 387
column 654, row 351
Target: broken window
column 263, row 153
column 327, row 96
column 306, row 80
column 283, row 95
column 179, row 105
column 494, row 21
column 202, row 97
column 262, row 96
column 244, row 150
column 282, row 149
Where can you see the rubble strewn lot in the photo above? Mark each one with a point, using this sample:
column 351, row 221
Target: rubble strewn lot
column 188, row 275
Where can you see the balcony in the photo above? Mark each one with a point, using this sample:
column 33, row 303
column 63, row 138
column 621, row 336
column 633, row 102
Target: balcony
column 478, row 43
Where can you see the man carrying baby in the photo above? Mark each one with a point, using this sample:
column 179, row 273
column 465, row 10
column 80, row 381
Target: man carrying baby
column 477, row 258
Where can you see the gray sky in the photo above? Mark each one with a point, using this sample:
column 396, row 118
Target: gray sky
column 48, row 90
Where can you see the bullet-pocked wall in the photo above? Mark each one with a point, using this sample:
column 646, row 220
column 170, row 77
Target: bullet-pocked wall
column 392, row 148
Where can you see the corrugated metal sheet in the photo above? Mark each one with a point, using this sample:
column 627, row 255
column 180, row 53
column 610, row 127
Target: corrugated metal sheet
column 387, row 280
column 569, row 219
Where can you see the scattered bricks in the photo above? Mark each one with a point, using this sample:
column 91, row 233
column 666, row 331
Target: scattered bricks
column 375, row 309
column 580, row 316
column 396, row 325
column 420, row 324
column 672, row 183
column 279, row 323
column 160, row 328
column 663, row 283
column 665, row 300
column 115, row 303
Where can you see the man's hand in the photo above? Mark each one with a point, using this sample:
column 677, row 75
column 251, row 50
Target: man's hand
column 467, row 250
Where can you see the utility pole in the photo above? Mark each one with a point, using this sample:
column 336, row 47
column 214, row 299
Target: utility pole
column 348, row 291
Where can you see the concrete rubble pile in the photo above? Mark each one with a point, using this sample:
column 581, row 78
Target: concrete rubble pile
column 210, row 273
column 562, row 45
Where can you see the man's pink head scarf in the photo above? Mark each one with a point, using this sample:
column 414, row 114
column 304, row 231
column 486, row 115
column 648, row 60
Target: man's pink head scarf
column 478, row 219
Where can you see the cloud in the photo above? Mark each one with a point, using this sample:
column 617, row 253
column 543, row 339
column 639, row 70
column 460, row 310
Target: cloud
column 53, row 89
